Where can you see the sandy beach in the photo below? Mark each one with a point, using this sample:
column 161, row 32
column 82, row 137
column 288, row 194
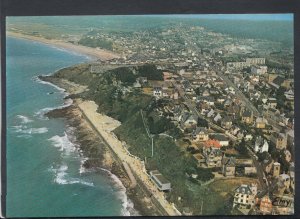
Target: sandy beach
column 91, row 52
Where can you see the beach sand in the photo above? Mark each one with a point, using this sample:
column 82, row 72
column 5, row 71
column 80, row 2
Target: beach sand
column 91, row 52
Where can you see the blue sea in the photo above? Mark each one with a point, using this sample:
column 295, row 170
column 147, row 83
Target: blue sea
column 45, row 177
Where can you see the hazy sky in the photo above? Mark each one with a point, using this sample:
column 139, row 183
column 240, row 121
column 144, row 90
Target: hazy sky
column 286, row 17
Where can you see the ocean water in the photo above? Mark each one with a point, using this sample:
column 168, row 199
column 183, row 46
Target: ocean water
column 44, row 173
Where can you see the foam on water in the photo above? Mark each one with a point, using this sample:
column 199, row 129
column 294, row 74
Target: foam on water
column 41, row 113
column 127, row 204
column 63, row 143
column 61, row 177
column 24, row 119
column 36, row 78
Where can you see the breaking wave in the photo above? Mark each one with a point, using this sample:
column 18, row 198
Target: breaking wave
column 41, row 113
column 127, row 204
column 61, row 177
column 36, row 78
column 63, row 143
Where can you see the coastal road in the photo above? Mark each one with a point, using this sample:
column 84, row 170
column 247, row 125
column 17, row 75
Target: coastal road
column 103, row 125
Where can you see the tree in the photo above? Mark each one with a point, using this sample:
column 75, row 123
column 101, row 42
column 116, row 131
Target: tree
column 202, row 122
column 241, row 148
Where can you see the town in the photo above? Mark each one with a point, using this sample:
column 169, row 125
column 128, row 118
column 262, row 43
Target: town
column 236, row 117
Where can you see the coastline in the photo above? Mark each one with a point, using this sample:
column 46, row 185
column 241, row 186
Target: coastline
column 147, row 200
column 88, row 51
column 87, row 137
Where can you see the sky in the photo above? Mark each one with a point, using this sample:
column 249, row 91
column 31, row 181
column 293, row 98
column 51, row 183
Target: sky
column 258, row 17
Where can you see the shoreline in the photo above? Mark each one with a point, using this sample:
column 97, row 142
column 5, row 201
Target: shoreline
column 60, row 44
column 109, row 161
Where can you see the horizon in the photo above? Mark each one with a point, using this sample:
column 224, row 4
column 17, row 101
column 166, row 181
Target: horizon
column 246, row 17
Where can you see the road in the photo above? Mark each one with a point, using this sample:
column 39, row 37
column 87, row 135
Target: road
column 239, row 94
column 260, row 172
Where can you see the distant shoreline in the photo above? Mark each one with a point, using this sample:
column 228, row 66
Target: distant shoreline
column 84, row 50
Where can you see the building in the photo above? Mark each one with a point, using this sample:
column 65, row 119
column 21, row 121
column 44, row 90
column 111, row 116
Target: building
column 255, row 61
column 288, row 155
column 157, row 92
column 272, row 103
column 259, row 70
column 250, row 170
column 213, row 156
column 160, row 181
column 200, row 134
column 276, row 169
column 279, row 139
column 226, row 122
column 265, row 206
column 222, row 139
column 261, row 145
column 285, row 180
column 247, row 117
column 212, row 143
column 228, row 166
column 188, row 120
column 244, row 196
column 260, row 123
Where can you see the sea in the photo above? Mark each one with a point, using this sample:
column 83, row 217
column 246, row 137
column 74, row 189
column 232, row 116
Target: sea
column 45, row 176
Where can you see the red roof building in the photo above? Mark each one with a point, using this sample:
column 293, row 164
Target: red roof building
column 212, row 143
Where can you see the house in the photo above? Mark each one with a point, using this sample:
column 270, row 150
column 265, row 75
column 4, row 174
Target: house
column 244, row 196
column 226, row 122
column 289, row 94
column 200, row 134
column 277, row 82
column 199, row 158
column 212, row 143
column 272, row 103
column 279, row 139
column 205, row 93
column 160, row 181
column 213, row 156
column 268, row 165
column 286, row 180
column 260, row 123
column 209, row 100
column 265, row 206
column 288, row 155
column 188, row 120
column 217, row 117
column 210, row 113
column 276, row 169
column 228, row 166
column 261, row 145
column 222, row 139
column 137, row 84
column 157, row 92
column 248, row 137
column 250, row 170
column 247, row 117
